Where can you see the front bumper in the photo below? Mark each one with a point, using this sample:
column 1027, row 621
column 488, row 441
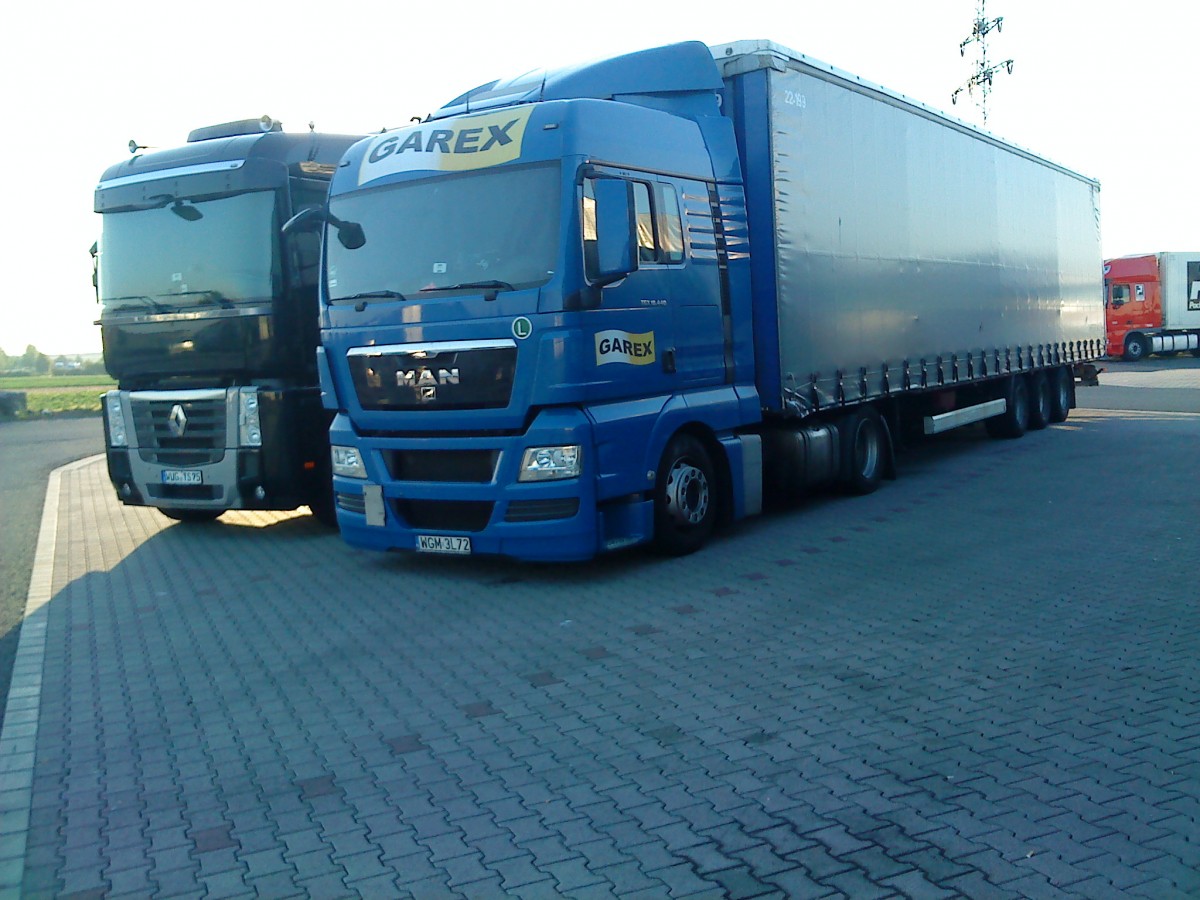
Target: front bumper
column 467, row 487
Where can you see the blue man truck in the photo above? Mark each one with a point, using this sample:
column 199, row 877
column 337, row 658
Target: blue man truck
column 623, row 302
column 209, row 322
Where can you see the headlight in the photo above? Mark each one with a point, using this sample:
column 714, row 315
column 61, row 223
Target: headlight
column 347, row 462
column 248, row 425
column 551, row 463
column 117, row 435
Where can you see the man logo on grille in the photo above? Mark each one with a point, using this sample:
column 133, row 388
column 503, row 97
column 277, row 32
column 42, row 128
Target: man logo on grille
column 177, row 421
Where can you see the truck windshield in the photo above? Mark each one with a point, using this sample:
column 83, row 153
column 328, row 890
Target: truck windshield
column 190, row 255
column 494, row 229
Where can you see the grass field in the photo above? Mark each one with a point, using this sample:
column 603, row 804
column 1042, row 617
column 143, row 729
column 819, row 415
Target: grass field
column 56, row 395
column 32, row 382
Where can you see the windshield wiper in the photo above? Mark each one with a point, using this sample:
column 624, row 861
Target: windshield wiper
column 385, row 294
column 490, row 287
column 148, row 301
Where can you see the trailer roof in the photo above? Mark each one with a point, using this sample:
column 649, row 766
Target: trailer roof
column 739, row 57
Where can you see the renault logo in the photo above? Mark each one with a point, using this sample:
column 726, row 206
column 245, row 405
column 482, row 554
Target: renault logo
column 177, row 421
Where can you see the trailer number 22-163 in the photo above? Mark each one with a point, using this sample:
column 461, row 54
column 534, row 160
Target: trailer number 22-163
column 791, row 98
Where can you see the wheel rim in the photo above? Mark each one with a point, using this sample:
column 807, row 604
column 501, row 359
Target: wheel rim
column 687, row 493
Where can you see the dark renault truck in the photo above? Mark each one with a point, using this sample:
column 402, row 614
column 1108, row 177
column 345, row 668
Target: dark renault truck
column 209, row 322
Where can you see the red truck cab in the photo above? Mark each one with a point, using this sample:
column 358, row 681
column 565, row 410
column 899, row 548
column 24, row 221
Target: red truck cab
column 1152, row 305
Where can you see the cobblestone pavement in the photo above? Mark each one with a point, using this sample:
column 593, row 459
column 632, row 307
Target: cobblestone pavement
column 979, row 681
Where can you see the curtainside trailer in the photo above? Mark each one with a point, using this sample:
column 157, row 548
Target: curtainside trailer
column 623, row 302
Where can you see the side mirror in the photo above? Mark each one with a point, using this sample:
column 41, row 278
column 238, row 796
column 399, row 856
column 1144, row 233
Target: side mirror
column 350, row 234
column 94, row 250
column 616, row 230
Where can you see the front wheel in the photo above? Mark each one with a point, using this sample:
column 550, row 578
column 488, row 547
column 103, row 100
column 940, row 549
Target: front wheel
column 190, row 515
column 685, row 497
column 323, row 506
column 1137, row 347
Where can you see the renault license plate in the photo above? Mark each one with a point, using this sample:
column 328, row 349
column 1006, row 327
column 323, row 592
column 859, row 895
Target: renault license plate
column 442, row 543
column 182, row 476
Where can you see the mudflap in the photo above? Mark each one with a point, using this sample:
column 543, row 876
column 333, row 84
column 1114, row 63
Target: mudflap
column 1086, row 374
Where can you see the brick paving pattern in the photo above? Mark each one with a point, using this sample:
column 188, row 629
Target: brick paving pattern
column 980, row 681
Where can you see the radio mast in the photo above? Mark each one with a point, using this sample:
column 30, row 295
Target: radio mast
column 985, row 70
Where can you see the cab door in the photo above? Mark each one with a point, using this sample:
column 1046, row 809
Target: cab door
column 1131, row 306
column 629, row 333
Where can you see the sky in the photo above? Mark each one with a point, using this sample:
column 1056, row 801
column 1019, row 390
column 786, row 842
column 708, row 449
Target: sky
column 1110, row 97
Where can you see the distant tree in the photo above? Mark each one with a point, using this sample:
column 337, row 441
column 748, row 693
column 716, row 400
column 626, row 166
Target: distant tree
column 4, row 361
column 35, row 362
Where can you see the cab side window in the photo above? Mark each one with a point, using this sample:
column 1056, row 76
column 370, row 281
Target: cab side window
column 670, row 224
column 1120, row 294
column 659, row 224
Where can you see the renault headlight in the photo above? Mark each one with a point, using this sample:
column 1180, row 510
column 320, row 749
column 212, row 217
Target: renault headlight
column 249, row 426
column 551, row 463
column 118, row 436
column 347, row 462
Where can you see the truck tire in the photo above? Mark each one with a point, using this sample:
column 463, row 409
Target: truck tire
column 324, row 507
column 863, row 451
column 1039, row 400
column 1061, row 385
column 190, row 515
column 1013, row 421
column 1137, row 347
column 685, row 497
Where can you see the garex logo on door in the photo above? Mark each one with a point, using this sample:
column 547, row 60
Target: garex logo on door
column 624, row 347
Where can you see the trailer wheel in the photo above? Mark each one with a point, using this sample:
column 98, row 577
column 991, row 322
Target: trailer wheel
column 1013, row 421
column 685, row 497
column 190, row 515
column 863, row 451
column 1137, row 346
column 1039, row 401
column 1061, row 383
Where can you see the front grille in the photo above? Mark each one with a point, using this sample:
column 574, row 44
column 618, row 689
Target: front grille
column 541, row 510
column 464, row 466
column 354, row 503
column 202, row 441
column 434, row 377
column 445, row 515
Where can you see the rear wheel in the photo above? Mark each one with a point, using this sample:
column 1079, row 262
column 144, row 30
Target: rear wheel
column 685, row 497
column 1015, row 419
column 1039, row 401
column 190, row 515
column 862, row 451
column 1061, row 383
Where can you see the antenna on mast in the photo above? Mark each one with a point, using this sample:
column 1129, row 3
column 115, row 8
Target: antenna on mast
column 985, row 71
